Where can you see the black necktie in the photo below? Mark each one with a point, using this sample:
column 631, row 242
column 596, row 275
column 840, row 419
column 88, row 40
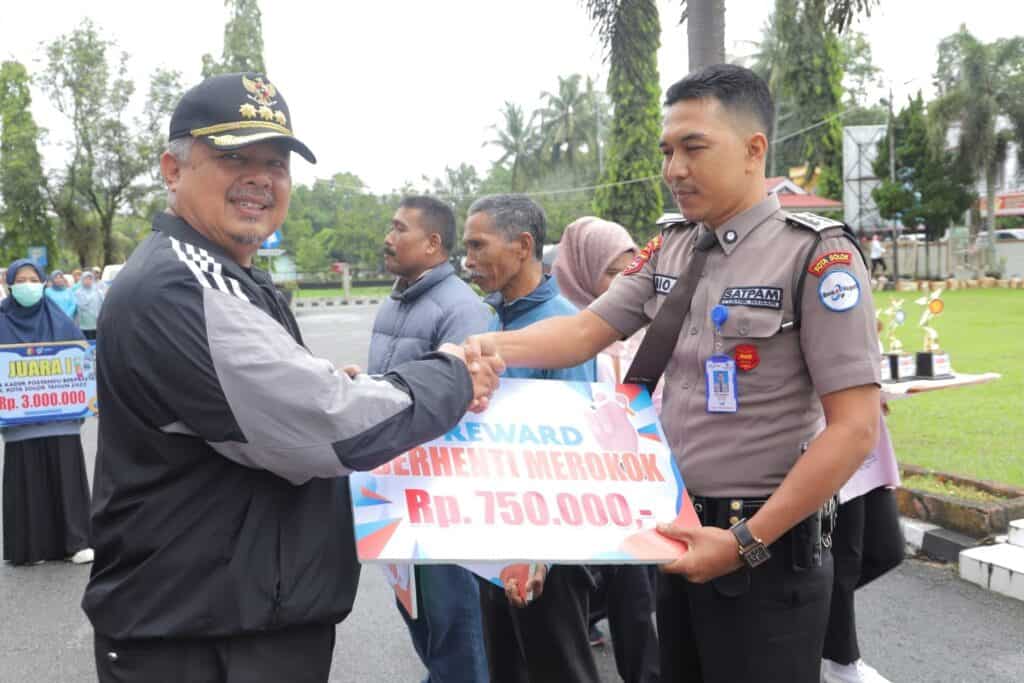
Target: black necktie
column 660, row 341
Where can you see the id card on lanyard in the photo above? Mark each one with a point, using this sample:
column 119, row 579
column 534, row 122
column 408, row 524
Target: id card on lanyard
column 720, row 371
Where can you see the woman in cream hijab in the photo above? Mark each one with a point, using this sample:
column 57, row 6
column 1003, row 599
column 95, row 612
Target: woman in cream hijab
column 592, row 253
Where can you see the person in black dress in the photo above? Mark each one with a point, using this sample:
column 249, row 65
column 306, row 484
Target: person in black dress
column 45, row 490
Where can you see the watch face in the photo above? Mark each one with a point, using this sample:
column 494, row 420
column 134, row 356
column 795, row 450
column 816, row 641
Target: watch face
column 757, row 555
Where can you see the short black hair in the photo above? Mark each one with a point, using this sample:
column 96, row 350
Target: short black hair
column 740, row 90
column 438, row 216
column 514, row 214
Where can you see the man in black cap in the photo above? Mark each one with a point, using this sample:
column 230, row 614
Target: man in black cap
column 224, row 547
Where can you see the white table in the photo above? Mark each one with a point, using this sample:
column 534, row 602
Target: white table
column 894, row 390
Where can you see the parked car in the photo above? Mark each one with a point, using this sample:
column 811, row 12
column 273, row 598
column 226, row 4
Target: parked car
column 1003, row 235
column 1010, row 235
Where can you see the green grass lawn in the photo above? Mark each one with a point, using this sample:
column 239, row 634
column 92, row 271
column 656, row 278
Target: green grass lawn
column 357, row 292
column 974, row 431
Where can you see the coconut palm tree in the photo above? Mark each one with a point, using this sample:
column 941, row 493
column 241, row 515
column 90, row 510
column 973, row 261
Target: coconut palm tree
column 517, row 140
column 566, row 119
column 978, row 86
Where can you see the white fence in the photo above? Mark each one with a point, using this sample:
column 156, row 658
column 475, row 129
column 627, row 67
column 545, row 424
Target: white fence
column 938, row 261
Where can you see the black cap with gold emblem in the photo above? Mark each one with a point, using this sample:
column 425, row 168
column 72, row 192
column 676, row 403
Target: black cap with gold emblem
column 231, row 111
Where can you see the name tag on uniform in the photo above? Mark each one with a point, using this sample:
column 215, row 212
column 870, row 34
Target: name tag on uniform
column 758, row 297
column 720, row 375
column 663, row 284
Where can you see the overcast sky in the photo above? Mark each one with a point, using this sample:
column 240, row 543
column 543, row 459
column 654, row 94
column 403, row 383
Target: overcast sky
column 396, row 90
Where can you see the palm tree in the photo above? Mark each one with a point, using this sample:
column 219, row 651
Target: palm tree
column 705, row 32
column 979, row 84
column 565, row 120
column 705, row 23
column 517, row 140
column 632, row 31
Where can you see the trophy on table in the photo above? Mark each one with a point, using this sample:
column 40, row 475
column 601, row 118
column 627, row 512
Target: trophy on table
column 901, row 365
column 932, row 363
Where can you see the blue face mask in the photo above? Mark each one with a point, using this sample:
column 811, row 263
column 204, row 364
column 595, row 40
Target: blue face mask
column 27, row 294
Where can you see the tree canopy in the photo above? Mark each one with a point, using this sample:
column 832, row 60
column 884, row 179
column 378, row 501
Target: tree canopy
column 24, row 221
column 111, row 155
column 243, row 41
column 931, row 188
column 978, row 85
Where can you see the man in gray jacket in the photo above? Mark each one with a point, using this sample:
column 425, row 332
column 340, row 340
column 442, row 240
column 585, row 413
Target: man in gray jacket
column 430, row 306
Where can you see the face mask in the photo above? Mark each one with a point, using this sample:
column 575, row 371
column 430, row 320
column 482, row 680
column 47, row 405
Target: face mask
column 27, row 294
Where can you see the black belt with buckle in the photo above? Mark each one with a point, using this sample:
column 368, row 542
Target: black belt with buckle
column 806, row 539
column 724, row 512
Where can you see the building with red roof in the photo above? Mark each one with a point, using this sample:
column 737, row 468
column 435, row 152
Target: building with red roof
column 792, row 197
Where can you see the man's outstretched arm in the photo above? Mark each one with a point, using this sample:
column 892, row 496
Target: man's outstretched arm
column 559, row 342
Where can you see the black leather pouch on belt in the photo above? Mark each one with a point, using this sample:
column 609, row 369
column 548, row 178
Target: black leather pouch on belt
column 805, row 543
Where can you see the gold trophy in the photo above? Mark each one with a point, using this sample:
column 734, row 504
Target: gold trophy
column 932, row 363
column 901, row 365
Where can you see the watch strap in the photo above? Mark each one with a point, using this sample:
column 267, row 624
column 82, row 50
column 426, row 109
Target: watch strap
column 742, row 534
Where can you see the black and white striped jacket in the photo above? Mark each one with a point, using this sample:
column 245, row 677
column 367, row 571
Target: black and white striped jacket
column 216, row 505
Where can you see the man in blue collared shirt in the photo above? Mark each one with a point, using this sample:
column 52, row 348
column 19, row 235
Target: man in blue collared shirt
column 545, row 640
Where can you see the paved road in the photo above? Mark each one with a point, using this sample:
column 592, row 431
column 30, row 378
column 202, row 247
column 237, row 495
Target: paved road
column 918, row 624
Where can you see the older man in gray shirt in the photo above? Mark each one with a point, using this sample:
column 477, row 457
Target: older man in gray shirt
column 430, row 306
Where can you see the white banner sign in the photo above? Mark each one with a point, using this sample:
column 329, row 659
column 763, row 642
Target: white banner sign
column 564, row 472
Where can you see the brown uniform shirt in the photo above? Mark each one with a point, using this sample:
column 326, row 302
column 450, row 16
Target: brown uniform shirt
column 781, row 372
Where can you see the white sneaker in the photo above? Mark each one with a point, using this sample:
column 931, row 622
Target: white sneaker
column 857, row 672
column 83, row 556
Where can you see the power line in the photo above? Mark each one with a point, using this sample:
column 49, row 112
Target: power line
column 654, row 177
column 646, row 179
column 592, row 187
column 812, row 126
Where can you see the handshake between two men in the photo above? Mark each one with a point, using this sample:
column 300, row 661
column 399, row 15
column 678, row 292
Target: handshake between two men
column 485, row 367
column 482, row 361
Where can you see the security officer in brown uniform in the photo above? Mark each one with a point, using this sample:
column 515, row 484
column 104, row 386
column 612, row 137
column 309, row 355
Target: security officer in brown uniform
column 771, row 388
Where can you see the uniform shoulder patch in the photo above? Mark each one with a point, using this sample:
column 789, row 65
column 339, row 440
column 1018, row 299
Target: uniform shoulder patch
column 826, row 261
column 813, row 221
column 643, row 256
column 839, row 291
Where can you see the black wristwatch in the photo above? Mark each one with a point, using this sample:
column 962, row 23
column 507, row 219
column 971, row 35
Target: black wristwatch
column 753, row 551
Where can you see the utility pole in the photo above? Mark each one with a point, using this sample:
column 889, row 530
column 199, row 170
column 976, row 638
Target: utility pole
column 892, row 179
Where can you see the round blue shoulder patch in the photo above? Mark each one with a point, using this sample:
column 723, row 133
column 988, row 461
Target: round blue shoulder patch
column 839, row 291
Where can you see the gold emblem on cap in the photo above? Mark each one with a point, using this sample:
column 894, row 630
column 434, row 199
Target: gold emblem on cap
column 263, row 94
column 262, row 116
column 260, row 92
